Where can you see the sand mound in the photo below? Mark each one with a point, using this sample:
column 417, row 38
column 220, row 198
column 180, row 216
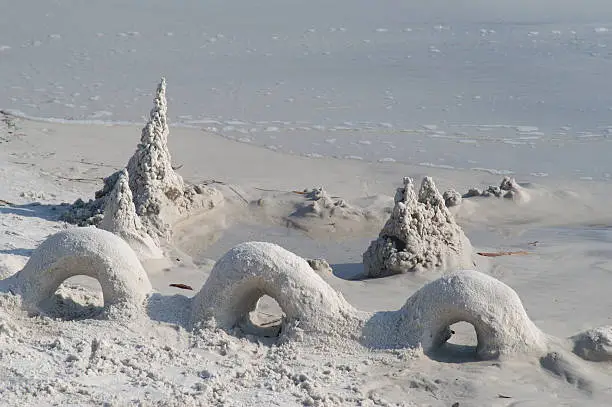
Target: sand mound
column 508, row 188
column 594, row 344
column 315, row 210
column 320, row 204
column 160, row 195
column 421, row 234
column 452, row 198
column 120, row 218
column 83, row 251
column 571, row 369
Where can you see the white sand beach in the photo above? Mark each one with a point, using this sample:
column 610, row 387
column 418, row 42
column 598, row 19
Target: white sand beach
column 269, row 160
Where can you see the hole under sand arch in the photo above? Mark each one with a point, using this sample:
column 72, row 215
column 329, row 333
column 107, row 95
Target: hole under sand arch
column 463, row 334
column 77, row 297
column 265, row 320
column 461, row 346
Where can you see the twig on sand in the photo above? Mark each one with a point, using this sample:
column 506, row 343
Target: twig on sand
column 281, row 191
column 63, row 177
column 78, row 179
column 6, row 203
column 182, row 286
column 238, row 193
column 276, row 321
column 22, row 163
column 288, row 192
column 498, row 254
column 83, row 161
column 271, row 190
column 289, row 223
column 214, row 181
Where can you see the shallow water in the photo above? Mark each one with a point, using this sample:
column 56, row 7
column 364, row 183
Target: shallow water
column 507, row 88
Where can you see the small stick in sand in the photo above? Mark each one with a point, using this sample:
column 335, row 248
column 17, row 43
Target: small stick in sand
column 78, row 179
column 498, row 254
column 182, row 286
column 6, row 203
column 214, row 181
column 276, row 321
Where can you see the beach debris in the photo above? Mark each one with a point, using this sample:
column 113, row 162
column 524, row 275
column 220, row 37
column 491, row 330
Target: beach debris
column 121, row 219
column 499, row 254
column 160, row 195
column 9, row 126
column 421, row 234
column 181, row 286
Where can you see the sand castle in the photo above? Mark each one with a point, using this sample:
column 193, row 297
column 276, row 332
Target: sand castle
column 121, row 219
column 421, row 234
column 160, row 195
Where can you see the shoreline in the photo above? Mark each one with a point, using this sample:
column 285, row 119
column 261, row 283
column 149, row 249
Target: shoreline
column 419, row 167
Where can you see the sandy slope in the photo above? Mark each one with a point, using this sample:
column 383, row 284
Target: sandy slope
column 563, row 282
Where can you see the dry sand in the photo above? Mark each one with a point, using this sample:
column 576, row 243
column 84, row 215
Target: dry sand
column 563, row 283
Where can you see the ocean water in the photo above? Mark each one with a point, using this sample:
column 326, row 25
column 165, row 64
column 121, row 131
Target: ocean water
column 504, row 87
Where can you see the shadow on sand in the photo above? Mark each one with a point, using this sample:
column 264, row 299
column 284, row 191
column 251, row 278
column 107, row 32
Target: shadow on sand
column 35, row 210
column 349, row 271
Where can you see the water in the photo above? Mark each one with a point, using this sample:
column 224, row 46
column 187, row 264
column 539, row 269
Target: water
column 504, row 88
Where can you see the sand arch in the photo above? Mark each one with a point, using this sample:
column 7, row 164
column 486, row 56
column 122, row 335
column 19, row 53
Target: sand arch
column 250, row 270
column 493, row 308
column 84, row 251
column 253, row 269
